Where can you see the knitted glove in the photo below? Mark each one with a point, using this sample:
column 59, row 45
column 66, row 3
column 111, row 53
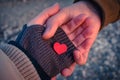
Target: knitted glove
column 49, row 57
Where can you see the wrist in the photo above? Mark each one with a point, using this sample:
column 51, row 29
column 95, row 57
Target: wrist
column 97, row 10
column 94, row 8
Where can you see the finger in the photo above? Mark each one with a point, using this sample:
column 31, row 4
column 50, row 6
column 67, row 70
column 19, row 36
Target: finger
column 80, row 58
column 86, row 33
column 75, row 33
column 78, row 40
column 85, row 40
column 83, row 32
column 81, row 54
column 86, row 45
column 68, row 71
column 53, row 78
column 45, row 14
column 54, row 22
column 74, row 24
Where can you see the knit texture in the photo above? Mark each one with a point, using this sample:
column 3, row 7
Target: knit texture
column 42, row 50
column 21, row 61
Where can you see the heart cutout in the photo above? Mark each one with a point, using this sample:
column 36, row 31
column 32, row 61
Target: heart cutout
column 60, row 48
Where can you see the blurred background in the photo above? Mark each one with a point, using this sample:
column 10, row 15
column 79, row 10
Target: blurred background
column 104, row 57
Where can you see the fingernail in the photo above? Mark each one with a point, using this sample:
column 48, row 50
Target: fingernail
column 66, row 72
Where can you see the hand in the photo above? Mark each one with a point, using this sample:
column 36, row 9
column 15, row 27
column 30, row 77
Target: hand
column 81, row 23
column 41, row 20
column 43, row 16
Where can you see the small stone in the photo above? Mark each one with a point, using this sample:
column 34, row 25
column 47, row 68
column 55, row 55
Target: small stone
column 114, row 40
column 84, row 73
column 106, row 63
column 101, row 68
column 75, row 77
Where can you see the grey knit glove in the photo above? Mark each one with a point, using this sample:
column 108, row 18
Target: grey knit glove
column 52, row 55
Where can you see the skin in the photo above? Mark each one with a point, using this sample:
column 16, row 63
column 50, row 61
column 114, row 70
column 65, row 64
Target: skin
column 80, row 22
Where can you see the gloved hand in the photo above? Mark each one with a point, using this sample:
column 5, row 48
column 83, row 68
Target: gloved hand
column 51, row 56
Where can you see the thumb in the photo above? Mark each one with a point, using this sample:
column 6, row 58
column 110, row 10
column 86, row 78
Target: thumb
column 44, row 15
column 54, row 22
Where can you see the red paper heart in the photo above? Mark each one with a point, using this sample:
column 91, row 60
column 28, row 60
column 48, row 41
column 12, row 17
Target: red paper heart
column 60, row 48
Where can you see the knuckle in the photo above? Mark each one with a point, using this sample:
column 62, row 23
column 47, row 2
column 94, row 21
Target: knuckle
column 82, row 60
column 82, row 63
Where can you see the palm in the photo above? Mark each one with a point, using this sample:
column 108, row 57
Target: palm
column 82, row 34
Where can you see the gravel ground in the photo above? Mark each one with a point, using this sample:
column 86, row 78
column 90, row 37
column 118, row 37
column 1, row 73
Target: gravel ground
column 104, row 57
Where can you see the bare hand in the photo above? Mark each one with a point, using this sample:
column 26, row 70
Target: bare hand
column 81, row 23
